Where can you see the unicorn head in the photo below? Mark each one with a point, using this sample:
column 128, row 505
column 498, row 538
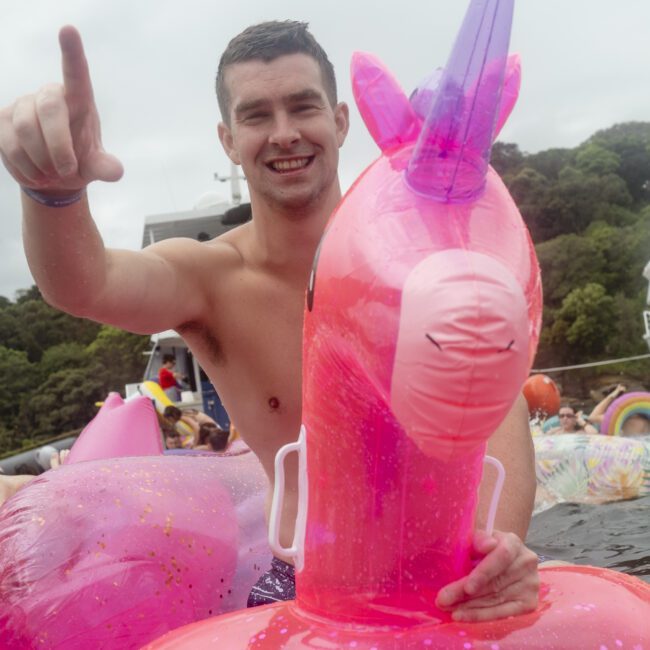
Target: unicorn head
column 432, row 224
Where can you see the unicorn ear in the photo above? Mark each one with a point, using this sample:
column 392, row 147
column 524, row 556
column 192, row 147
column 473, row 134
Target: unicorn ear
column 510, row 92
column 384, row 107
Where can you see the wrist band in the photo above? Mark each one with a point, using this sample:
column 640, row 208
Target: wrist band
column 51, row 201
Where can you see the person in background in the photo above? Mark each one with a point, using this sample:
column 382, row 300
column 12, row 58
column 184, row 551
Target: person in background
column 637, row 424
column 10, row 484
column 598, row 413
column 48, row 457
column 212, row 437
column 173, row 439
column 193, row 418
column 169, row 379
column 572, row 422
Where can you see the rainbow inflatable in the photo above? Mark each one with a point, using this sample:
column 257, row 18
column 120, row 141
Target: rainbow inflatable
column 621, row 409
column 422, row 318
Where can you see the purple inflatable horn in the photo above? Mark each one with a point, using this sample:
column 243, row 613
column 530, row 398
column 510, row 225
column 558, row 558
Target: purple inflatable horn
column 453, row 151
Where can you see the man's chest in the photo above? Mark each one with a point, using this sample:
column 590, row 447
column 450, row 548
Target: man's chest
column 253, row 328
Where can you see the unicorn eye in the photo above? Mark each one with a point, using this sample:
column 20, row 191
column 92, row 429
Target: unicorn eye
column 507, row 348
column 428, row 336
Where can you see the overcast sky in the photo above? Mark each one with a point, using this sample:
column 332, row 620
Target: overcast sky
column 586, row 66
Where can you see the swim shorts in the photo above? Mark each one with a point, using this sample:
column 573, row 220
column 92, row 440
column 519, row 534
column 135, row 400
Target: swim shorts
column 278, row 583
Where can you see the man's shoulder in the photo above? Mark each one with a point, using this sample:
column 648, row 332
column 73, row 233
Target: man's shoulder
column 221, row 249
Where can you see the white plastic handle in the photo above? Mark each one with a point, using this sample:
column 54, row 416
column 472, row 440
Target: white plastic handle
column 496, row 493
column 275, row 517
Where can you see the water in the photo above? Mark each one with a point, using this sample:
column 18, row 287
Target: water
column 613, row 535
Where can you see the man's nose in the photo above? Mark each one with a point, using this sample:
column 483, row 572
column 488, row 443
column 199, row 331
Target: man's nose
column 285, row 132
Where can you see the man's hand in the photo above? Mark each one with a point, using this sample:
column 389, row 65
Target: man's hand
column 504, row 583
column 51, row 140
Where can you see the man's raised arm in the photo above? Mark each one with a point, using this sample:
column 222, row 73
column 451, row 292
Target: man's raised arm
column 50, row 142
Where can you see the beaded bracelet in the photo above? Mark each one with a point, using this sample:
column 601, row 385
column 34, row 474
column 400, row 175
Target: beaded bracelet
column 51, row 201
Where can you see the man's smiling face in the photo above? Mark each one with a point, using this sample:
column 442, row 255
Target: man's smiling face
column 283, row 131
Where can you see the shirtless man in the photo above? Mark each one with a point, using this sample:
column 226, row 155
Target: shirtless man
column 283, row 125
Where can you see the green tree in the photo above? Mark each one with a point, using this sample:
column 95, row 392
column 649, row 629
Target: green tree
column 66, row 400
column 25, row 295
column 631, row 142
column 592, row 158
column 506, row 158
column 584, row 324
column 529, row 189
column 568, row 261
column 19, row 377
column 551, row 162
column 40, row 326
column 62, row 356
column 627, row 339
column 121, row 356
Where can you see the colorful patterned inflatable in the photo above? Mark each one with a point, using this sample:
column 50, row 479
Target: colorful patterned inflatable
column 592, row 469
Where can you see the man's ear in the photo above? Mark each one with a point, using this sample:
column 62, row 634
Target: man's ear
column 342, row 119
column 225, row 135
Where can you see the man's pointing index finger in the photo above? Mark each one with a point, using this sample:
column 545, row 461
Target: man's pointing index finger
column 76, row 77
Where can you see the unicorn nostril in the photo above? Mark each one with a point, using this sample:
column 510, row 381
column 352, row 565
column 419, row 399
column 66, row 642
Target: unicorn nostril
column 434, row 341
column 507, row 347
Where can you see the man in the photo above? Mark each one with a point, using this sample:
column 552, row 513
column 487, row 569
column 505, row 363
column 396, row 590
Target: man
column 282, row 123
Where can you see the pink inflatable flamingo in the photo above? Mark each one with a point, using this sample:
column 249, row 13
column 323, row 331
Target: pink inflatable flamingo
column 121, row 543
column 119, row 429
column 423, row 315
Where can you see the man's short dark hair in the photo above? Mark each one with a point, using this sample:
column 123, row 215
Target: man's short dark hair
column 168, row 357
column 266, row 42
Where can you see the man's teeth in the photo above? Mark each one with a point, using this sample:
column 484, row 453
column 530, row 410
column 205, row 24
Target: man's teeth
column 287, row 165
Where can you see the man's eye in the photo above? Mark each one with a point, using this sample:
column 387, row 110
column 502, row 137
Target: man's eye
column 255, row 117
column 302, row 108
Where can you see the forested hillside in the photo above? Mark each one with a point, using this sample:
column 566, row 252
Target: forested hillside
column 588, row 210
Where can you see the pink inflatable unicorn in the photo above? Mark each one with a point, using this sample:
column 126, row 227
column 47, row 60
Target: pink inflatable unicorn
column 423, row 315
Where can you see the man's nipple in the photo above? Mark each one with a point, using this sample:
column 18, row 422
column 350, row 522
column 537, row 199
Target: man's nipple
column 274, row 403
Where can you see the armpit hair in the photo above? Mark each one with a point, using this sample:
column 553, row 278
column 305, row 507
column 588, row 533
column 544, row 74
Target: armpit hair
column 208, row 339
